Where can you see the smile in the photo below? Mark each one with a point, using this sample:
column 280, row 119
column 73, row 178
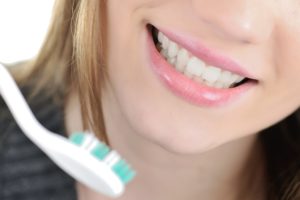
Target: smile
column 194, row 72
column 194, row 68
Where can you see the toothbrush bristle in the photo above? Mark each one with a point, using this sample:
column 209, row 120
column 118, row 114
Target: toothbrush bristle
column 124, row 171
column 101, row 151
column 77, row 138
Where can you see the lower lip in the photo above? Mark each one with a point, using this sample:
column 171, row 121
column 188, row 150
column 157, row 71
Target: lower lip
column 186, row 88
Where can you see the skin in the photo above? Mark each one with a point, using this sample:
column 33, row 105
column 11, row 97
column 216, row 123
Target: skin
column 168, row 139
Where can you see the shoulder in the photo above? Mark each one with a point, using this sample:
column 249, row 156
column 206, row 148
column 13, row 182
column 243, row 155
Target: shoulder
column 25, row 171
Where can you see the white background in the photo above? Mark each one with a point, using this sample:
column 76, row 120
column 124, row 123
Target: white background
column 23, row 25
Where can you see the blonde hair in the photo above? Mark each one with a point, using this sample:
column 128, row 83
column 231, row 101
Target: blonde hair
column 73, row 58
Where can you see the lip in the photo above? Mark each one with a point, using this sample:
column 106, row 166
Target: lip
column 186, row 88
column 209, row 56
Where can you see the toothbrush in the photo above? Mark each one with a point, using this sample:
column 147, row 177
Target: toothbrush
column 82, row 156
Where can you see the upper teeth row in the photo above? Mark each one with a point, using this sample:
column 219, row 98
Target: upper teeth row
column 195, row 68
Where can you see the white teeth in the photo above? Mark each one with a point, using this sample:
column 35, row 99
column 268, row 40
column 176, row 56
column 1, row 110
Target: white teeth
column 165, row 42
column 198, row 79
column 188, row 74
column 172, row 60
column 163, row 52
column 233, row 78
column 219, row 85
column 209, row 83
column 182, row 60
column 193, row 67
column 160, row 37
column 240, row 78
column 225, row 77
column 211, row 74
column 172, row 49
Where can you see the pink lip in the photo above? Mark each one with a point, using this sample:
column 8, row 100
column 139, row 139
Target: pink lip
column 187, row 88
column 210, row 57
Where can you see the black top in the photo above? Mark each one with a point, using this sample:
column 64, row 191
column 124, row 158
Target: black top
column 26, row 173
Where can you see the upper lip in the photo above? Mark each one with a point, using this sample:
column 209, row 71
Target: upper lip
column 207, row 55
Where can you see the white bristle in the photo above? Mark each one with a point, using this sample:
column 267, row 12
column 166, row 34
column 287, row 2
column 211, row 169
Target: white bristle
column 88, row 139
column 112, row 158
column 92, row 145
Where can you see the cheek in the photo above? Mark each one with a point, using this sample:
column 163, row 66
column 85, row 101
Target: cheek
column 287, row 54
column 285, row 86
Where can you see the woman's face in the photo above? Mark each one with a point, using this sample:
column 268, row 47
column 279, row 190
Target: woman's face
column 232, row 70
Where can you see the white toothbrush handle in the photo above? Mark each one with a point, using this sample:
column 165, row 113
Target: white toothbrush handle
column 19, row 108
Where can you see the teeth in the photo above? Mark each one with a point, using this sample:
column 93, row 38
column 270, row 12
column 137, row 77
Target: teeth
column 160, row 37
column 172, row 50
column 193, row 67
column 211, row 74
column 225, row 77
column 165, row 42
column 172, row 60
column 182, row 60
column 164, row 53
column 239, row 79
column 219, row 85
column 188, row 74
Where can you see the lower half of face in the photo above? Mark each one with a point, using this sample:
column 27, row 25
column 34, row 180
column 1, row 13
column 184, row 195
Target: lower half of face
column 193, row 75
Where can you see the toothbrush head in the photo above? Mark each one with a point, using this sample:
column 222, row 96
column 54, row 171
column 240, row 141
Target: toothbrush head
column 103, row 154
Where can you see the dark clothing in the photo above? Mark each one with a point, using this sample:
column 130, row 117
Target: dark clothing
column 26, row 173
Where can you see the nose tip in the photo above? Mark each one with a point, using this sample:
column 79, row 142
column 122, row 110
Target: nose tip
column 241, row 20
column 252, row 29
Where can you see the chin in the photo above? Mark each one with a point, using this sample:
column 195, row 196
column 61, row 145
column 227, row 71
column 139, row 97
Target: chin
column 180, row 147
